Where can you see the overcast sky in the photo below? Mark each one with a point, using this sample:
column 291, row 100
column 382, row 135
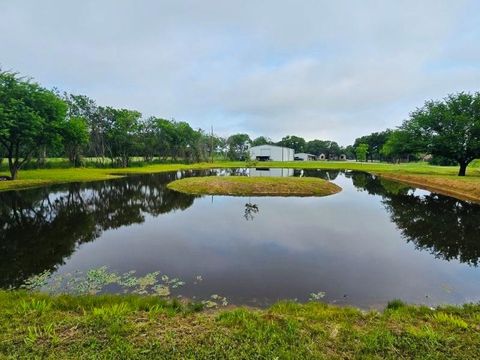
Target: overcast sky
column 318, row 69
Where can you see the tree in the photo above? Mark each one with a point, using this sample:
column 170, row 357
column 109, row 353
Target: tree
column 261, row 140
column 399, row 145
column 361, row 152
column 333, row 149
column 375, row 142
column 75, row 136
column 96, row 118
column 349, row 151
column 121, row 135
column 237, row 146
column 30, row 119
column 329, row 148
column 316, row 147
column 448, row 128
column 294, row 142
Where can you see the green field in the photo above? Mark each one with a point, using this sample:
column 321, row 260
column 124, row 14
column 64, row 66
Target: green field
column 145, row 327
column 438, row 178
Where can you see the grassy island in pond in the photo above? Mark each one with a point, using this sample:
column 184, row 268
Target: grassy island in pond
column 257, row 186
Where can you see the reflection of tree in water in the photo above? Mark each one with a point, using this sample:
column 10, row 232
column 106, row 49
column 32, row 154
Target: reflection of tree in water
column 39, row 228
column 250, row 211
column 447, row 227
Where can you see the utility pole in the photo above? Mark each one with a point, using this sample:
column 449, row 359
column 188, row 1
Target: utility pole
column 211, row 146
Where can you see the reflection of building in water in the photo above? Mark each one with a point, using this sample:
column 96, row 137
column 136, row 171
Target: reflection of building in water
column 271, row 172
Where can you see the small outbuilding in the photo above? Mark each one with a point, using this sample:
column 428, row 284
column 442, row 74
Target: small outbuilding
column 271, row 153
column 304, row 157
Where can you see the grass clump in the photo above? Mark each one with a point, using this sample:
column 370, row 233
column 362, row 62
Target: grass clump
column 36, row 325
column 395, row 304
column 257, row 186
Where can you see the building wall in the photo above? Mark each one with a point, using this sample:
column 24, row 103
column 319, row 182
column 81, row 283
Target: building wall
column 304, row 156
column 276, row 153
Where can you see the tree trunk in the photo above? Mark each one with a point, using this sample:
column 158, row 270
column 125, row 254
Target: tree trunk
column 463, row 168
column 13, row 171
column 42, row 155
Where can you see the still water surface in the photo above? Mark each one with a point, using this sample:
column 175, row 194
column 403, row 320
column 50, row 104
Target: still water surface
column 375, row 241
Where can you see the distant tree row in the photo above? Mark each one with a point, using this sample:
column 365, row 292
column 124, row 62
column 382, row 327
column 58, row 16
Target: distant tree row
column 445, row 132
column 36, row 123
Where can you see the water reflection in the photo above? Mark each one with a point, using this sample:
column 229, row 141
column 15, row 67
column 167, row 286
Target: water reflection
column 270, row 172
column 302, row 245
column 250, row 211
column 40, row 228
column 446, row 227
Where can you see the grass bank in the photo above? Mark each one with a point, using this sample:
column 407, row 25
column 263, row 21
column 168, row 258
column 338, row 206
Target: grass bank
column 134, row 327
column 41, row 177
column 441, row 179
column 258, row 186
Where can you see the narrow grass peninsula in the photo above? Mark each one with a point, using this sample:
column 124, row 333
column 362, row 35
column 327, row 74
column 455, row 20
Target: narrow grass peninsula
column 255, row 186
column 36, row 325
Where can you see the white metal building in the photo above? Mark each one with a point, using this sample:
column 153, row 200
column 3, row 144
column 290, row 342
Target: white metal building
column 271, row 153
column 304, row 157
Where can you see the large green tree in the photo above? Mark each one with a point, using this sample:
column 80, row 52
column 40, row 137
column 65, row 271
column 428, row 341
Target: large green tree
column 97, row 121
column 294, row 142
column 121, row 135
column 399, row 145
column 448, row 128
column 375, row 142
column 361, row 152
column 30, row 119
column 261, row 140
column 75, row 136
column 237, row 146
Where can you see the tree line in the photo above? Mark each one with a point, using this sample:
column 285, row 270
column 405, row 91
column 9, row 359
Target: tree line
column 445, row 132
column 36, row 123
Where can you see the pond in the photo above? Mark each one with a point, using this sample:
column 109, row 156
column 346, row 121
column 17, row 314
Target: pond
column 375, row 241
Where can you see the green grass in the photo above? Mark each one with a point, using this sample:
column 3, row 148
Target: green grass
column 442, row 179
column 40, row 177
column 258, row 186
column 35, row 325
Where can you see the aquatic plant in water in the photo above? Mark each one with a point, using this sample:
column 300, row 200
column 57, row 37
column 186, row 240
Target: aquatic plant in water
column 215, row 301
column 316, row 296
column 95, row 281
